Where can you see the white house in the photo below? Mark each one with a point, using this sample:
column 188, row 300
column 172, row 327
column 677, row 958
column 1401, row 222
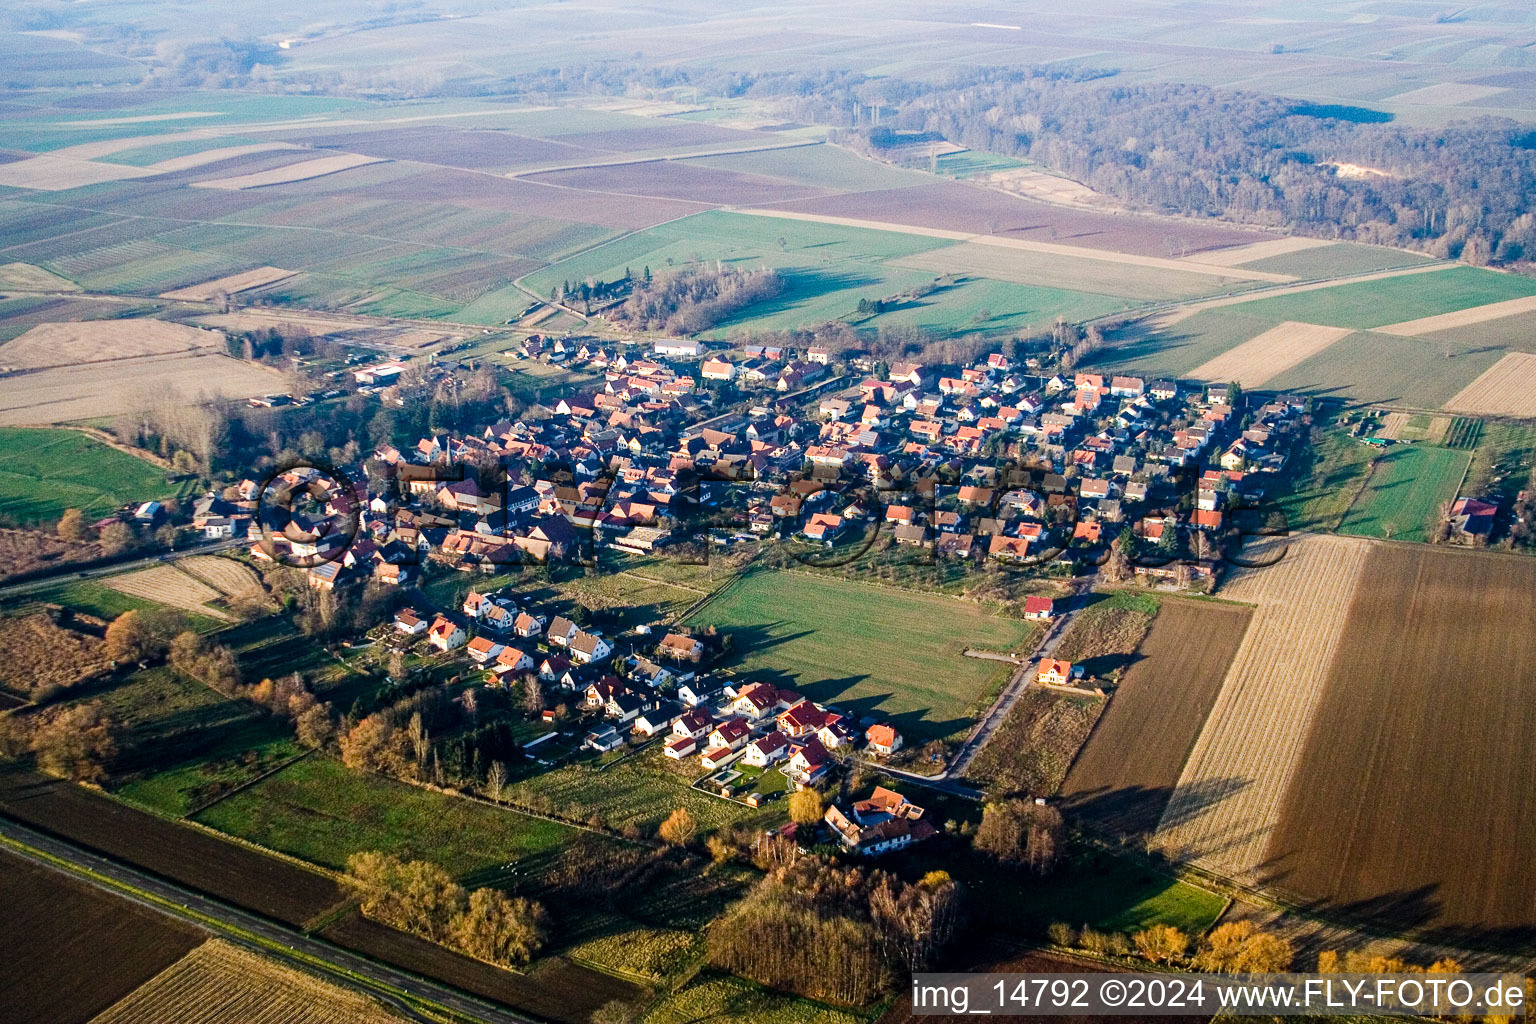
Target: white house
column 445, row 635
column 766, row 750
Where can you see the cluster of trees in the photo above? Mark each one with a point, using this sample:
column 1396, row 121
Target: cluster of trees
column 840, row 934
column 1021, row 833
column 438, row 737
column 1463, row 191
column 212, row 664
column 696, row 299
column 419, row 896
column 1237, row 947
column 290, row 697
column 75, row 742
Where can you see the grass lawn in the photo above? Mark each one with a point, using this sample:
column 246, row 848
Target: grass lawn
column 247, row 750
column 43, row 472
column 1403, row 496
column 640, row 790
column 320, row 811
column 1323, row 482
column 869, row 649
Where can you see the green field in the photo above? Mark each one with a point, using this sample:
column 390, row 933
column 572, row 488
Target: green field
column 1391, row 300
column 244, row 752
column 1322, row 481
column 1371, row 367
column 971, row 163
column 869, row 649
column 322, row 812
column 1176, row 350
column 1403, row 496
column 43, row 472
column 1338, row 260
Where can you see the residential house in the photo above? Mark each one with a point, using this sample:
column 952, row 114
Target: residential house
column 809, row 765
column 801, row 720
column 658, row 719
column 681, row 647
column 884, row 822
column 755, row 701
column 445, row 634
column 1038, row 608
column 767, row 750
column 588, row 648
column 561, row 631
column 1055, row 672
column 482, row 649
column 409, row 623
column 883, row 739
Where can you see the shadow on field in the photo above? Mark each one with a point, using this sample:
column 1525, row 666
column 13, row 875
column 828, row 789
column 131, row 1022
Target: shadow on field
column 1136, row 811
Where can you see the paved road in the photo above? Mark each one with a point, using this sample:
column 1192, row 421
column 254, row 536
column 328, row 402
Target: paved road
column 54, row 579
column 238, row 926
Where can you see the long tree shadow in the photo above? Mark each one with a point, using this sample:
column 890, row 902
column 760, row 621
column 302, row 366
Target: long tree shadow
column 1137, row 811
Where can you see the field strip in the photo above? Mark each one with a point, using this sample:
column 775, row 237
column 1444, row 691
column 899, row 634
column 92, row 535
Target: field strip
column 168, row 585
column 1392, row 426
column 1447, row 94
column 1103, row 255
column 1269, row 293
column 140, row 119
column 1270, row 354
column 72, row 344
column 1227, row 801
column 302, row 171
column 231, row 285
column 1237, row 255
column 1460, row 317
column 626, row 161
column 213, row 156
column 52, row 173
column 1507, row 388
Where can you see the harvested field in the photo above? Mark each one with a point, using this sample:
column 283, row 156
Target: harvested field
column 70, row 950
column 168, row 585
column 64, row 393
column 27, row 278
column 301, row 171
column 1270, row 354
column 1227, row 800
column 232, row 285
column 1392, row 426
column 39, row 653
column 51, row 173
column 213, row 156
column 455, row 147
column 973, row 210
column 1461, row 317
column 1238, row 255
column 1125, row 775
column 1411, row 795
column 1447, row 94
column 553, row 989
column 237, row 874
column 94, row 341
column 670, row 179
column 1508, row 388
column 218, row 983
column 225, row 575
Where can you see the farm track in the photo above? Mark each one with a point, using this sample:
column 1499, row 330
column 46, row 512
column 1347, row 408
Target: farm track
column 1227, row 800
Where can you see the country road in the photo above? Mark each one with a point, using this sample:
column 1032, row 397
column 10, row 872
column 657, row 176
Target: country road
column 254, row 932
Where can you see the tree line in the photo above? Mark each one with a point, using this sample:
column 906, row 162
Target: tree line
column 695, row 299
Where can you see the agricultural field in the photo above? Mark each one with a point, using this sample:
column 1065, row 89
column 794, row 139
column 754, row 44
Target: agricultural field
column 867, row 649
column 227, row 576
column 1107, row 633
column 208, row 291
column 44, row 472
column 1504, row 389
column 1125, row 775
column 191, row 857
column 715, row 998
column 1225, row 804
column 321, row 812
column 1261, row 358
column 168, row 585
column 1403, row 496
column 1393, row 751
column 1322, row 481
column 552, row 988
column 1336, row 260
column 1391, row 300
column 55, row 924
column 219, row 982
column 1034, row 747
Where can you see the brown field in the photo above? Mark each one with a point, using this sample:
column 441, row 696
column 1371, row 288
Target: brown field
column 218, row 983
column 1392, row 425
column 670, row 179
column 1411, row 799
column 24, row 551
column 1237, row 255
column 553, row 989
column 1227, row 799
column 1125, row 775
column 448, row 146
column 64, row 393
column 974, row 210
column 1461, row 317
column 229, row 871
column 232, row 285
column 40, row 653
column 1033, row 748
column 70, row 949
column 24, row 277
column 1507, row 388
column 93, row 341
column 1270, row 354
column 225, row 575
column 53, row 173
column 168, row 585
column 1048, row 188
column 301, row 171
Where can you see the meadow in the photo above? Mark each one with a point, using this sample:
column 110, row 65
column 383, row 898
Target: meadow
column 1366, row 304
column 43, row 472
column 319, row 811
column 1407, row 487
column 867, row 649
